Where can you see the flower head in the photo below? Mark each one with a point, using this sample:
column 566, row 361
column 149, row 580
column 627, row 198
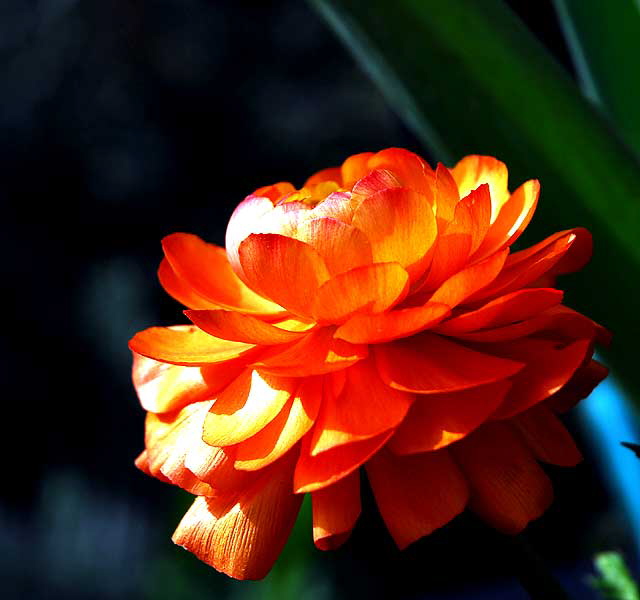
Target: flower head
column 376, row 317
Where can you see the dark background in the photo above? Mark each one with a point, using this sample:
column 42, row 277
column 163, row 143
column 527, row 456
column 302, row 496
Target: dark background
column 122, row 122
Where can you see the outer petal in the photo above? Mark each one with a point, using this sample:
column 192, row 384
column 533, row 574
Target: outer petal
column 316, row 472
column 185, row 345
column 180, row 290
column 215, row 466
column 234, row 326
column 411, row 170
column 401, row 227
column 429, row 364
column 371, row 288
column 205, row 269
column 162, row 387
column 317, row 353
column 374, row 182
column 579, row 386
column 286, row 270
column 243, row 537
column 245, row 407
column 547, row 437
column 508, row 487
column 335, row 511
column 504, row 310
column 354, row 168
column 294, row 420
column 373, row 329
column 472, row 171
column 549, row 366
column 365, row 408
column 438, row 420
column 416, row 494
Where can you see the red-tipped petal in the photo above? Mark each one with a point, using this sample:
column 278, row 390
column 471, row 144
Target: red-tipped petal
column 412, row 171
column 242, row 537
column 428, row 364
column 245, row 407
column 579, row 386
column 316, row 472
column 373, row 329
column 416, row 494
column 294, row 420
column 237, row 327
column 336, row 509
column 508, row 487
column 284, row 269
column 547, row 437
column 185, row 345
column 437, row 420
column 370, row 289
column 365, row 408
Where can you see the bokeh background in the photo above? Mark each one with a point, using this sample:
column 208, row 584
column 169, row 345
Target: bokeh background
column 122, row 122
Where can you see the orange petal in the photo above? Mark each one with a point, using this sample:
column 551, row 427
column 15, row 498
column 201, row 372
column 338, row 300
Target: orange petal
column 316, row 472
column 512, row 220
column 458, row 288
column 373, row 329
column 215, row 466
column 246, row 406
column 237, row 327
column 401, row 227
column 341, row 246
column 416, row 494
column 294, row 420
column 365, row 408
column 317, row 353
column 504, row 310
column 163, row 387
column 206, row 270
column 579, row 386
column 374, row 182
column 168, row 438
column 354, row 168
column 284, row 269
column 446, row 195
column 336, row 509
column 330, row 174
column 185, row 345
column 477, row 208
column 472, row 171
column 428, row 364
column 508, row 487
column 244, row 537
column 411, row 170
column 179, row 290
column 438, row 420
column 371, row 288
column 547, row 437
column 549, row 366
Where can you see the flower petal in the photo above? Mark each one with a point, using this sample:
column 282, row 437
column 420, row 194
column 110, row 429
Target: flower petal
column 242, row 537
column 437, row 420
column 330, row 174
column 294, row 420
column 472, row 171
column 416, row 494
column 507, row 309
column 373, row 329
column 316, row 472
column 446, row 195
column 549, row 366
column 354, row 168
column 215, row 466
column 412, row 171
column 206, row 270
column 336, row 509
column 237, row 327
column 371, row 288
column 374, row 182
column 185, row 345
column 401, row 226
column 583, row 382
column 179, row 290
column 341, row 246
column 428, row 364
column 475, row 208
column 317, row 353
column 365, row 408
column 508, row 487
column 547, row 437
column 284, row 269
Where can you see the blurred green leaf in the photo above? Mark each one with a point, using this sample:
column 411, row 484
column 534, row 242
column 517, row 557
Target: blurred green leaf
column 468, row 77
column 614, row 581
column 604, row 40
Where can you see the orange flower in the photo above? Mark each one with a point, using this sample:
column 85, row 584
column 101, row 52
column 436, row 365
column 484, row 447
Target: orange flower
column 375, row 317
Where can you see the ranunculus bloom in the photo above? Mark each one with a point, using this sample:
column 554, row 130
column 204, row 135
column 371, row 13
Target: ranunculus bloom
column 376, row 317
